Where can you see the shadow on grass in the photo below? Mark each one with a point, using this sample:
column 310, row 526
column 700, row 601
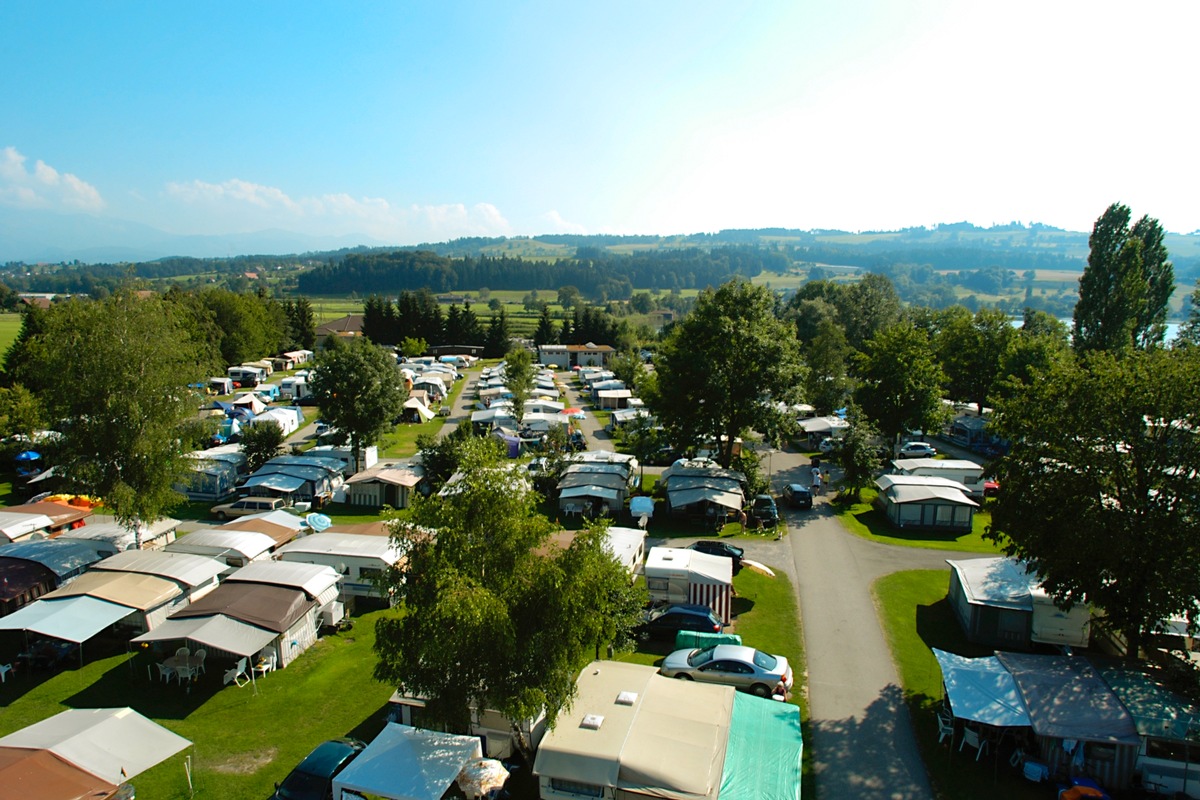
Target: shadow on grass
column 741, row 605
column 938, row 627
column 135, row 682
column 370, row 727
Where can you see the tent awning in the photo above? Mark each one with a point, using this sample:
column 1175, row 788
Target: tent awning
column 589, row 491
column 218, row 632
column 275, row 482
column 114, row 743
column 72, row 619
column 405, row 763
column 705, row 494
column 982, row 690
column 26, row 773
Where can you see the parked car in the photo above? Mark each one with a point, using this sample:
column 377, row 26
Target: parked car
column 763, row 510
column 829, row 445
column 312, row 779
column 716, row 547
column 917, row 450
column 798, row 496
column 665, row 622
column 991, row 488
column 732, row 665
column 247, row 506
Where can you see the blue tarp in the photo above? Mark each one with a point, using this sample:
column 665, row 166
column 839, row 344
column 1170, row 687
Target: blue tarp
column 762, row 759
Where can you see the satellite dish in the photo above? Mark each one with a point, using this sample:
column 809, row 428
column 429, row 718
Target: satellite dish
column 318, row 522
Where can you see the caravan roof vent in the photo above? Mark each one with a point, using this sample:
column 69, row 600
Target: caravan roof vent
column 592, row 722
column 626, row 698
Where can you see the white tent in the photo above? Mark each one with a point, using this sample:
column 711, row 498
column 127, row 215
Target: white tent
column 982, row 690
column 405, row 763
column 217, row 632
column 72, row 619
column 113, row 743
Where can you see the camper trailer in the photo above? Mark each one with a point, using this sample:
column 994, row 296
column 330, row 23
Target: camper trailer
column 294, row 388
column 1051, row 625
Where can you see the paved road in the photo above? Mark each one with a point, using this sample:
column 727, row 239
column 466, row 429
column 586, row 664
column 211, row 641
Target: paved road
column 861, row 740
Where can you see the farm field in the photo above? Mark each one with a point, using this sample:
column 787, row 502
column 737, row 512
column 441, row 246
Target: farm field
column 10, row 326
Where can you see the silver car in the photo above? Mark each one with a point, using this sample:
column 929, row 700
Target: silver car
column 730, row 664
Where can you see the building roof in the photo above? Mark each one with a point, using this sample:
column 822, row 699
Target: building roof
column 114, row 743
column 312, row 579
column 387, row 473
column 957, row 464
column 658, row 736
column 13, row 526
column 344, row 544
column 922, row 489
column 1067, row 699
column 213, row 541
column 351, row 324
column 274, row 608
column 61, row 556
column 133, row 589
column 185, row 568
column 998, row 582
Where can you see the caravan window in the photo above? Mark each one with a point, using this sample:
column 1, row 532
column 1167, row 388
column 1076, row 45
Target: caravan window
column 657, row 584
column 575, row 787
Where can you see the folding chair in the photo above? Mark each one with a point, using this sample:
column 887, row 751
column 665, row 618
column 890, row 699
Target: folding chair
column 237, row 674
column 945, row 727
column 971, row 737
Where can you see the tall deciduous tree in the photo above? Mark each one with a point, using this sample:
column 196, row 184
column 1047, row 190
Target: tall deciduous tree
column 828, row 383
column 260, row 443
column 1125, row 287
column 359, row 391
column 858, row 454
column 723, row 368
column 518, row 379
column 116, row 377
column 900, row 381
column 972, row 351
column 1099, row 489
column 496, row 616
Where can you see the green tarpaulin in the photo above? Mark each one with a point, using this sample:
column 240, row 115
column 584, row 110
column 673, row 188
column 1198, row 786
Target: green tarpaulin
column 762, row 760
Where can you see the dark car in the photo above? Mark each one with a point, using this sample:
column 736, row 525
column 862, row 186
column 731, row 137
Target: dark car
column 664, row 623
column 798, row 496
column 312, row 779
column 763, row 511
column 718, row 548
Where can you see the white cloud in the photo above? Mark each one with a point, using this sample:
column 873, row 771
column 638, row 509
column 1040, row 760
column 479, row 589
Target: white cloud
column 44, row 187
column 556, row 224
column 247, row 206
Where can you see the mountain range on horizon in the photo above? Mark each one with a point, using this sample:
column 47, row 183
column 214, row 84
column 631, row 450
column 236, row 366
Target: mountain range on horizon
column 33, row 237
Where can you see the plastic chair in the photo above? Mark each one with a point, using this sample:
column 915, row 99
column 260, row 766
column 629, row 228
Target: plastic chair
column 185, row 674
column 183, row 652
column 945, row 727
column 198, row 661
column 971, row 737
column 4, row 670
column 237, row 674
column 165, row 673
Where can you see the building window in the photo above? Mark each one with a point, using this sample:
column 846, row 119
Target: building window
column 575, row 787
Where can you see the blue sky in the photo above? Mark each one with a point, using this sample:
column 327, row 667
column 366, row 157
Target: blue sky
column 411, row 122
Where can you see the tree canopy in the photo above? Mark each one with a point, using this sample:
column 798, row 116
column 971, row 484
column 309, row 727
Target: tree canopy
column 359, row 391
column 1099, row 490
column 496, row 614
column 900, row 381
column 1125, row 287
column 723, row 368
column 115, row 375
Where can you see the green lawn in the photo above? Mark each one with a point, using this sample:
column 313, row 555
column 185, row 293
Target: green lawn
column 863, row 520
column 243, row 742
column 916, row 617
column 10, row 326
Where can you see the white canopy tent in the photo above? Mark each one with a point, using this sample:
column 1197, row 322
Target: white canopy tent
column 405, row 763
column 217, row 632
column 72, row 619
column 113, row 743
column 982, row 690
